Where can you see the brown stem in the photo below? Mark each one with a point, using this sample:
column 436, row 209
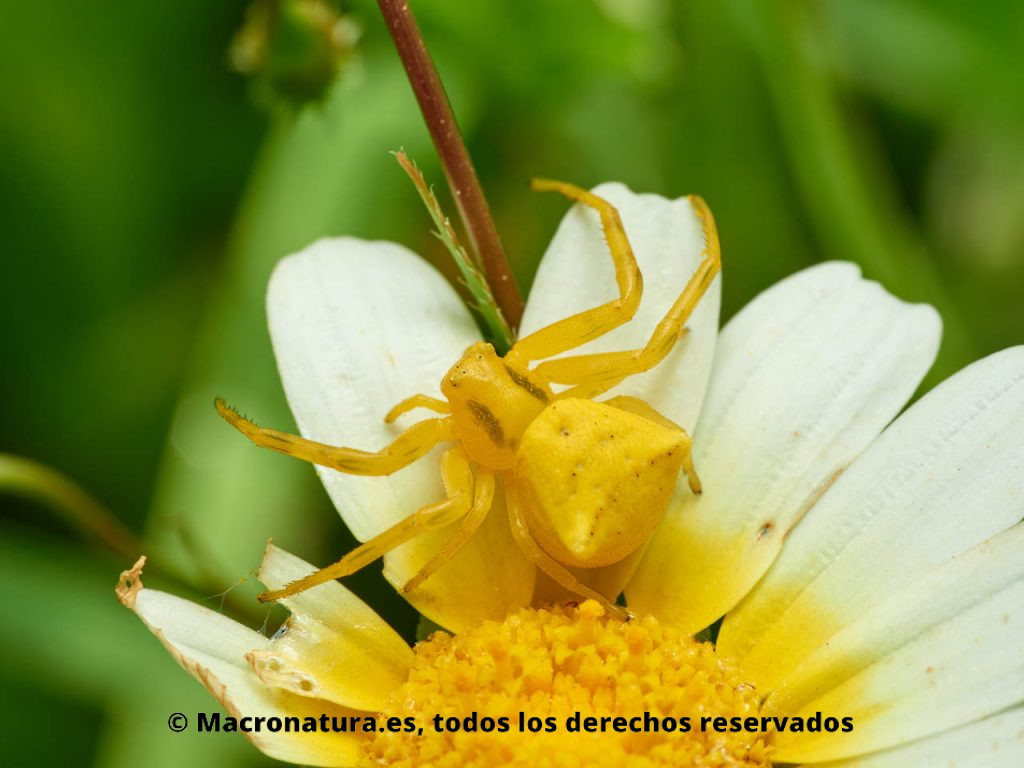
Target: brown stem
column 458, row 168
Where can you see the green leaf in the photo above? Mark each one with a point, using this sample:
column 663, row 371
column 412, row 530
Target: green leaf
column 496, row 328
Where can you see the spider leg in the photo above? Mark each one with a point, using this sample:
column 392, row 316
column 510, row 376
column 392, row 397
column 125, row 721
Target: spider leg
column 483, row 497
column 412, row 444
column 612, row 579
column 585, row 326
column 541, row 559
column 592, row 375
column 417, row 401
column 458, row 482
column 641, row 408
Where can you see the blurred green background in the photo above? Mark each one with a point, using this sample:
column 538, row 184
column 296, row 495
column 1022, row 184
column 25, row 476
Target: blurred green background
column 147, row 190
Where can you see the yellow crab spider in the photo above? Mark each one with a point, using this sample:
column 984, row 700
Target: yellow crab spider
column 586, row 482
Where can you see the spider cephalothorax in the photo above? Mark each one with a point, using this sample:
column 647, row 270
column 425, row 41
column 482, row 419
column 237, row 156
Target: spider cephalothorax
column 587, row 482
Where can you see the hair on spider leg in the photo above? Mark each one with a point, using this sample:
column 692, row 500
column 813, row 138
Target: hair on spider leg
column 224, row 409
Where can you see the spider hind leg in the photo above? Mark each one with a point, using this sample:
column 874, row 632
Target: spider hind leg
column 546, row 563
column 458, row 481
column 483, row 496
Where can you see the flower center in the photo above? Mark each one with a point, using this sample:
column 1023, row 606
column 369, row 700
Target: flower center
column 569, row 686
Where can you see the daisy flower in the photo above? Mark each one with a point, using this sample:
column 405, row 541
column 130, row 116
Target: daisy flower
column 870, row 574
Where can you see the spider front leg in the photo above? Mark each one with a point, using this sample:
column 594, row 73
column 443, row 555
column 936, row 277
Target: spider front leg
column 542, row 560
column 592, row 375
column 417, row 401
column 412, row 444
column 585, row 326
column 458, row 483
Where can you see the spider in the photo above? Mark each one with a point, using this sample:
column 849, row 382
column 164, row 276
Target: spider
column 587, row 482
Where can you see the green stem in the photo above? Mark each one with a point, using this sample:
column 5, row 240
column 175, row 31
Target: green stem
column 29, row 479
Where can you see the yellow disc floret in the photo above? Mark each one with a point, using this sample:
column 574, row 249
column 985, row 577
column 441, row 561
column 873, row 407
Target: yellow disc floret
column 569, row 686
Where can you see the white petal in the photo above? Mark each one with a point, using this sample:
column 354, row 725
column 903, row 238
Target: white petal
column 944, row 478
column 577, row 274
column 944, row 652
column 358, row 326
column 962, row 670
column 997, row 742
column 804, row 378
column 212, row 648
column 334, row 646
column 965, row 581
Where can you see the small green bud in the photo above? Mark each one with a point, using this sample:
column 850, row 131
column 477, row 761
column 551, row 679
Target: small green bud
column 292, row 49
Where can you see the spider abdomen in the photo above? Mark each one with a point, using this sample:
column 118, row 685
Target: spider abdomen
column 594, row 481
